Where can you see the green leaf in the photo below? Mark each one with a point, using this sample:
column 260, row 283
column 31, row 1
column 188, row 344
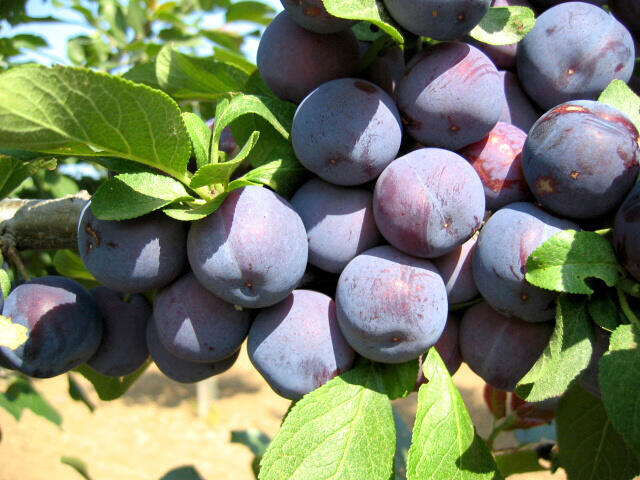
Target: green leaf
column 21, row 395
column 189, row 211
column 589, row 447
column 219, row 173
column 565, row 261
column 252, row 438
column 366, row 32
column 444, row 444
column 277, row 113
column 283, row 175
column 504, row 25
column 72, row 111
column 13, row 172
column 619, row 95
column 29, row 41
column 247, row 11
column 235, row 59
column 120, row 165
column 193, row 78
column 619, row 378
column 59, row 185
column 12, row 335
column 200, row 135
column 520, row 461
column 231, row 41
column 187, row 472
column 604, row 309
column 371, row 11
column 137, row 16
column 131, row 195
column 77, row 393
column 144, row 73
column 78, row 465
column 567, row 354
column 5, row 283
column 400, row 378
column 343, row 429
column 110, row 388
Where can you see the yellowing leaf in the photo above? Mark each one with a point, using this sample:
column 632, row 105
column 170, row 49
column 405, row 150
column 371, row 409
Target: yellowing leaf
column 12, row 335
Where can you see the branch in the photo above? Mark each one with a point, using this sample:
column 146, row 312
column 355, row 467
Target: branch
column 41, row 224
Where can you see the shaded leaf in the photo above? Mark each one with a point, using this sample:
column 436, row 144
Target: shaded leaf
column 21, row 395
column 589, row 447
column 77, row 393
column 78, row 465
column 110, row 388
column 568, row 353
column 619, row 379
column 196, row 78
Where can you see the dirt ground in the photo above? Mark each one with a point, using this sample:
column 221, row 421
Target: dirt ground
column 154, row 428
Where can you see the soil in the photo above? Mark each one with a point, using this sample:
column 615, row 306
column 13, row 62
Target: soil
column 154, row 428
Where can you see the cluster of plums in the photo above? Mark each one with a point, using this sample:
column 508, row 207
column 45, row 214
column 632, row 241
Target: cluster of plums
column 392, row 229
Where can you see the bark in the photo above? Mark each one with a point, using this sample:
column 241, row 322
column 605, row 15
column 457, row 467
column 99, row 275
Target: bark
column 41, row 224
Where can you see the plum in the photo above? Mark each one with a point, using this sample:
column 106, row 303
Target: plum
column 391, row 307
column 304, row 325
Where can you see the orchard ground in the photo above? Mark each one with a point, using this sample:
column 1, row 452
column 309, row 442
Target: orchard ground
column 153, row 428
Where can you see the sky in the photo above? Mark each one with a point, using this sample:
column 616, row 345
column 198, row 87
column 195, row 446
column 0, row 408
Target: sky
column 57, row 34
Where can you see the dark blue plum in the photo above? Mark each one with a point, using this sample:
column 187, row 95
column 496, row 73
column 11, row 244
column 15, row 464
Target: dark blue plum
column 455, row 269
column 181, row 370
column 304, row 326
column 499, row 260
column 195, row 325
column 428, row 202
column 581, row 158
column 313, row 16
column 227, row 143
column 450, row 96
column 64, row 326
column 252, row 251
column 339, row 223
column 497, row 160
column 499, row 349
column 123, row 348
column 387, row 69
column 438, row 19
column 293, row 61
column 347, row 131
column 626, row 232
column 132, row 256
column 391, row 307
column 628, row 12
column 518, row 109
column 573, row 52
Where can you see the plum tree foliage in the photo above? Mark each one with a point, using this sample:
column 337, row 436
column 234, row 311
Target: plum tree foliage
column 158, row 203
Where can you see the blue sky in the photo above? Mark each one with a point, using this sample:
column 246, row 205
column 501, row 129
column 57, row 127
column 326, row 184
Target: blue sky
column 57, row 34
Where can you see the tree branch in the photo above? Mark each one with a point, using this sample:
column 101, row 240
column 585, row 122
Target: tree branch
column 41, row 224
